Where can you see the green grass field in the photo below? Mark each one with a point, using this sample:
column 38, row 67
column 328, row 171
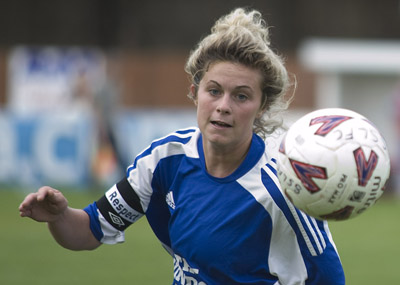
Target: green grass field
column 368, row 245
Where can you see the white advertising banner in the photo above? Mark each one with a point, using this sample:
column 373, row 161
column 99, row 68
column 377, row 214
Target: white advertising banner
column 52, row 78
column 43, row 149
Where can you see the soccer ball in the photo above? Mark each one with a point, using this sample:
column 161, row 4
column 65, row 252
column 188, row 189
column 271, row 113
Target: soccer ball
column 333, row 164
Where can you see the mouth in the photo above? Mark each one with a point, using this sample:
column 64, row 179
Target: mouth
column 221, row 124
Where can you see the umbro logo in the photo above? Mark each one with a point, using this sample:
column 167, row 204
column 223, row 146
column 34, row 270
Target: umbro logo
column 116, row 220
column 169, row 198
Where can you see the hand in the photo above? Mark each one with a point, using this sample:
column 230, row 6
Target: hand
column 46, row 205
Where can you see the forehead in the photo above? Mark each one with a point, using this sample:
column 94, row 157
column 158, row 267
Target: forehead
column 233, row 73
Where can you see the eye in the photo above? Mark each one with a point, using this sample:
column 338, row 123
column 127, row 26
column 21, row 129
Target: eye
column 214, row 91
column 242, row 97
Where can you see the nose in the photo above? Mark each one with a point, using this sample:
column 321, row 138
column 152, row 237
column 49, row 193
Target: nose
column 224, row 104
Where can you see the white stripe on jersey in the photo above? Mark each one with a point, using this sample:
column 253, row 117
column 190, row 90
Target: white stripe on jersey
column 328, row 232
column 306, row 237
column 294, row 271
column 302, row 230
column 147, row 163
column 313, row 220
column 321, row 237
column 306, row 219
column 313, row 233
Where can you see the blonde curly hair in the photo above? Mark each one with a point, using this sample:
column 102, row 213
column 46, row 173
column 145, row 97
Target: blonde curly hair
column 243, row 37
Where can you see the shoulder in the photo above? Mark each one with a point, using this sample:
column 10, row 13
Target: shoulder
column 183, row 141
column 173, row 141
column 141, row 173
column 182, row 137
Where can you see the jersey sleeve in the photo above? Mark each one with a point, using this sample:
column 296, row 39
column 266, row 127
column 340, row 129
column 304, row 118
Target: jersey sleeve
column 114, row 212
column 129, row 200
column 125, row 202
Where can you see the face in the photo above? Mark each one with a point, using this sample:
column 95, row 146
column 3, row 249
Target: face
column 228, row 102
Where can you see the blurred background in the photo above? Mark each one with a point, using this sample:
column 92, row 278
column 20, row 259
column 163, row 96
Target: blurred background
column 85, row 85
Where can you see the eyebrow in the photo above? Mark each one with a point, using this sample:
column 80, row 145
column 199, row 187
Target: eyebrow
column 237, row 87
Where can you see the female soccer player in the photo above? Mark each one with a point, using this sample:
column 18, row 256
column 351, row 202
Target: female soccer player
column 211, row 194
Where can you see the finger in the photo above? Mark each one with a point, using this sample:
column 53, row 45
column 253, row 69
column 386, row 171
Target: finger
column 26, row 206
column 45, row 192
column 28, row 201
column 25, row 213
column 54, row 198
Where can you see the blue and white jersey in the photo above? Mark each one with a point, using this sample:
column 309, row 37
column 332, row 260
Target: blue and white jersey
column 234, row 230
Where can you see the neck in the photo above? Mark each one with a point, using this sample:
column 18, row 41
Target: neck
column 221, row 161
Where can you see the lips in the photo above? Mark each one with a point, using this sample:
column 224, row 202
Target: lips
column 221, row 124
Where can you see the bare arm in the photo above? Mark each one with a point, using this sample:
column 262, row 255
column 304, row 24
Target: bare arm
column 69, row 227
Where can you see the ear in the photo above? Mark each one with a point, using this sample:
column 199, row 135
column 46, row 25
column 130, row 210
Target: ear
column 262, row 112
column 263, row 109
column 193, row 91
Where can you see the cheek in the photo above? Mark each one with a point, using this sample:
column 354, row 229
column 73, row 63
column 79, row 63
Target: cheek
column 201, row 112
column 203, row 105
column 250, row 120
column 249, row 115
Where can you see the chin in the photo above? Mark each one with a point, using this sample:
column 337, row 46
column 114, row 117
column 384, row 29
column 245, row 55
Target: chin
column 218, row 140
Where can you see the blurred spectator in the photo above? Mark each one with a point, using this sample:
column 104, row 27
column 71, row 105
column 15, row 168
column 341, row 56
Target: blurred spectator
column 108, row 163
